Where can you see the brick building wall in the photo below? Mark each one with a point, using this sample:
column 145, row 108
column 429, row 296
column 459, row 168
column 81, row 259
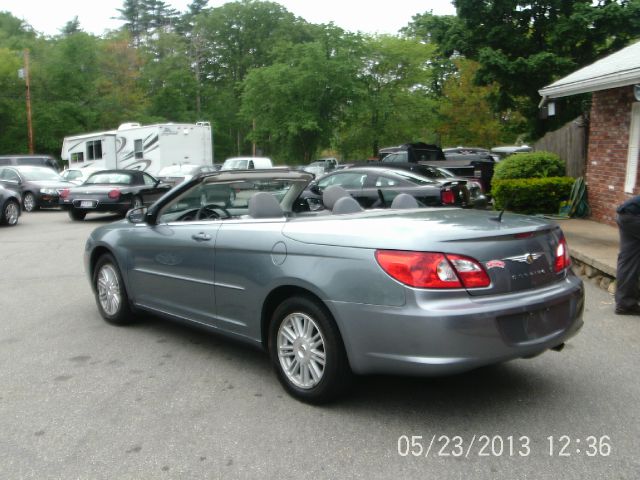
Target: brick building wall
column 607, row 152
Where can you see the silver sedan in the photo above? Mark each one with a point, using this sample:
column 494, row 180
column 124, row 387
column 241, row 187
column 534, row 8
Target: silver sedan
column 418, row 291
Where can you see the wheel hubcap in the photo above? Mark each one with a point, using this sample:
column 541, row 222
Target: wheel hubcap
column 29, row 203
column 109, row 290
column 301, row 350
column 11, row 213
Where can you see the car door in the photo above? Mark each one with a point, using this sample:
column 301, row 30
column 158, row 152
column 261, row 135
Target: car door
column 152, row 190
column 171, row 264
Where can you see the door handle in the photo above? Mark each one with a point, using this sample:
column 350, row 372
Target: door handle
column 201, row 237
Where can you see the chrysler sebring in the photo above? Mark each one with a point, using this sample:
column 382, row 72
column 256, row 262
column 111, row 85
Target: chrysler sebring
column 342, row 291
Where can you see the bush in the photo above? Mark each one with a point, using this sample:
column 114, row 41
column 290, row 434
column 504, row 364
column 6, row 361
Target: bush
column 531, row 195
column 529, row 165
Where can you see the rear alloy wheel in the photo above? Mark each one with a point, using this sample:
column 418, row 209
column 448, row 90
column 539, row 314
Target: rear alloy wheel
column 10, row 213
column 307, row 351
column 110, row 293
column 29, row 202
column 76, row 215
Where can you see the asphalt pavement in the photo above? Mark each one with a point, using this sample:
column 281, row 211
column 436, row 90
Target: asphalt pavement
column 80, row 399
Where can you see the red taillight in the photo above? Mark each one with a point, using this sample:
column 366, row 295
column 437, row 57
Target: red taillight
column 114, row 194
column 64, row 193
column 448, row 198
column 432, row 270
column 563, row 260
column 469, row 271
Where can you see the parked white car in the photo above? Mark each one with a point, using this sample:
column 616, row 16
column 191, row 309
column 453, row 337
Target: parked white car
column 247, row 163
column 175, row 174
column 78, row 175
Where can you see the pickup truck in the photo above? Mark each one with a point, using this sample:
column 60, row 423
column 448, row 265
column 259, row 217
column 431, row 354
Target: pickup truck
column 477, row 166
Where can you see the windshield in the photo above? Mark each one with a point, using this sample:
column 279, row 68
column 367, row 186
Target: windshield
column 40, row 174
column 109, row 178
column 230, row 197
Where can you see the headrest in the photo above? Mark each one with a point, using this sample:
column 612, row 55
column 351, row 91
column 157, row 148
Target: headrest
column 404, row 200
column 264, row 205
column 346, row 205
column 331, row 195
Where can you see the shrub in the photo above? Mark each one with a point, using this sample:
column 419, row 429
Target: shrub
column 530, row 165
column 531, row 195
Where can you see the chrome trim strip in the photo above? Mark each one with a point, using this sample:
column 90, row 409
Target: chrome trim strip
column 226, row 285
column 155, row 309
column 176, row 277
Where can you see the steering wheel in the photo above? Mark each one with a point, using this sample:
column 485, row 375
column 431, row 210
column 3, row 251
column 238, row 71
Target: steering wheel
column 210, row 211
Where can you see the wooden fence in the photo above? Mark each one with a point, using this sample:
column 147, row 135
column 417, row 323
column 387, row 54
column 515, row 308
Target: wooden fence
column 570, row 143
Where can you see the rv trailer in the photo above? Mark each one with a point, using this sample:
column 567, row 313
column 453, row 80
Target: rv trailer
column 141, row 147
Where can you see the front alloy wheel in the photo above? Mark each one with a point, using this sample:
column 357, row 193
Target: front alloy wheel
column 110, row 293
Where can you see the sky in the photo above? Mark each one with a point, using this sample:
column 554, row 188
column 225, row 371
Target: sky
column 96, row 16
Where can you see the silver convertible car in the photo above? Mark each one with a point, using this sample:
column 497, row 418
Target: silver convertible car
column 403, row 290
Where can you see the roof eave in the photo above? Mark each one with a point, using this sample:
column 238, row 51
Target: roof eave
column 587, row 85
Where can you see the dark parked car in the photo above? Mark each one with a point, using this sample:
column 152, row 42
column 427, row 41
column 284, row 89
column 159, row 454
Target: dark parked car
column 428, row 291
column 10, row 204
column 38, row 186
column 477, row 166
column 477, row 198
column 33, row 160
column 112, row 191
column 375, row 187
column 175, row 174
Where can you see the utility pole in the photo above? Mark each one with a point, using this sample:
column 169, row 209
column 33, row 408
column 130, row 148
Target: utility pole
column 28, row 83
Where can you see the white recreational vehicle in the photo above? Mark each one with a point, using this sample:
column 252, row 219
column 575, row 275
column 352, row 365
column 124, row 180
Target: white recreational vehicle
column 141, row 147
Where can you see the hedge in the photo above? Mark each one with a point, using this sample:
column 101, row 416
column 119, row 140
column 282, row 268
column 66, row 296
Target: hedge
column 529, row 165
column 531, row 195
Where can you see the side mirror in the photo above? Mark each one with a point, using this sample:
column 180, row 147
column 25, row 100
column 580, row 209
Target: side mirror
column 137, row 215
column 315, row 189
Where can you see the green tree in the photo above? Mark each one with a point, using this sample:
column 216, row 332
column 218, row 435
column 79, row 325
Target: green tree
column 466, row 113
column 525, row 45
column 170, row 84
column 233, row 40
column 394, row 102
column 296, row 102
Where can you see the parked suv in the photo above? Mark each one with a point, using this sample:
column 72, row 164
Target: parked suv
column 34, row 160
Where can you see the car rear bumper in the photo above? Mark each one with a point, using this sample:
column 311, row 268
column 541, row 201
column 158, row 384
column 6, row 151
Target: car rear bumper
column 100, row 207
column 434, row 338
column 46, row 200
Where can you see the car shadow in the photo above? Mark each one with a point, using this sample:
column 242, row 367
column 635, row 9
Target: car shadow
column 506, row 387
column 102, row 218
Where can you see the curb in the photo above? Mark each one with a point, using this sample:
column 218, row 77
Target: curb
column 598, row 276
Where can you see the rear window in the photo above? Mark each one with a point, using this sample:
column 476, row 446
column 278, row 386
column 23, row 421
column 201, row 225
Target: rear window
column 109, row 178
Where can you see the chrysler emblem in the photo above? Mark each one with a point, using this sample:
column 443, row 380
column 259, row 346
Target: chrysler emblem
column 526, row 258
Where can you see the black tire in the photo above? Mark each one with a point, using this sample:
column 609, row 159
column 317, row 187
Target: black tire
column 107, row 281
column 29, row 202
column 10, row 213
column 76, row 215
column 336, row 374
